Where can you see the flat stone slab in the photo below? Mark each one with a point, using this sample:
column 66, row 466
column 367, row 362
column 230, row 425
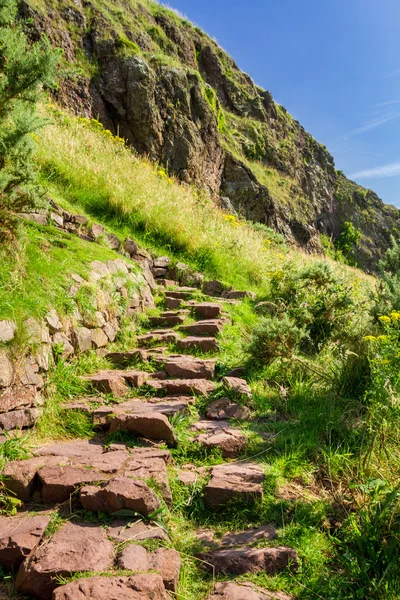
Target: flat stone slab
column 59, row 483
column 211, row 327
column 116, row 382
column 207, row 310
column 204, row 344
column 201, row 387
column 244, row 591
column 74, row 448
column 242, row 481
column 19, row 536
column 164, row 561
column 125, row 359
column 123, row 531
column 120, row 493
column 74, row 548
column 150, row 339
column 239, row 561
column 167, row 320
column 181, row 294
column 165, row 406
column 224, row 408
column 153, row 426
column 136, row 587
column 238, row 386
column 249, row 536
column 220, row 435
column 155, row 469
column 185, row 367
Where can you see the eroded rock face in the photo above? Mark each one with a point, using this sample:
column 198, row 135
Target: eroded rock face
column 73, row 548
column 137, row 587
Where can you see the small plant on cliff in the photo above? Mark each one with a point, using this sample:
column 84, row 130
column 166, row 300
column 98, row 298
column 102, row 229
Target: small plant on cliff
column 23, row 72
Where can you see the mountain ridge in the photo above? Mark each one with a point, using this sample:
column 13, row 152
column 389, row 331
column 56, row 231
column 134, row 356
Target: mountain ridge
column 152, row 77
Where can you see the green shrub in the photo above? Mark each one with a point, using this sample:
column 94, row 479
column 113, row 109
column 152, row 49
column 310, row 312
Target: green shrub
column 348, row 239
column 275, row 337
column 386, row 297
column 23, row 71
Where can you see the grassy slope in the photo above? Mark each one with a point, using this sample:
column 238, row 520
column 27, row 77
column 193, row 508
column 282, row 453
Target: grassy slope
column 87, row 171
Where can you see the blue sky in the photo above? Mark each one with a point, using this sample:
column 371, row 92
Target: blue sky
column 333, row 64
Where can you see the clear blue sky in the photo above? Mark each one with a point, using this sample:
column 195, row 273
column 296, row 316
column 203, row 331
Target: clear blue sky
column 333, row 64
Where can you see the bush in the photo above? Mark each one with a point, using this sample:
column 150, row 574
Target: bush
column 348, row 240
column 275, row 337
column 23, row 72
column 387, row 295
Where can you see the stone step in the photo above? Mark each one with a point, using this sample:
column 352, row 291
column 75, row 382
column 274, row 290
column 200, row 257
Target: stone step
column 165, row 561
column 231, row 590
column 19, row 536
column 241, row 481
column 74, row 548
column 187, row 367
column 151, row 426
column 207, row 310
column 201, row 387
column 167, row 337
column 125, row 359
column 203, row 344
column 224, row 408
column 221, row 435
column 239, row 387
column 118, row 493
column 173, row 303
column 62, row 467
column 116, row 382
column 238, row 561
column 167, row 320
column 211, row 327
column 181, row 293
column 167, row 406
column 133, row 587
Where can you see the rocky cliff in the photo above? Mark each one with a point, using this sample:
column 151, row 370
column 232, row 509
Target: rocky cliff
column 153, row 78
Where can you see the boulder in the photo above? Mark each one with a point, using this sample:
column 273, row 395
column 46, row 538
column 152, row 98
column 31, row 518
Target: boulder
column 82, row 339
column 19, row 536
column 213, row 288
column 12, row 398
column 59, row 482
column 19, row 476
column 239, row 561
column 120, row 493
column 74, row 548
column 8, row 330
column 236, row 295
column 204, row 344
column 234, row 481
column 224, row 408
column 6, row 369
column 211, row 327
column 162, row 262
column 230, row 590
column 53, row 321
column 136, row 587
column 96, row 231
column 37, row 331
column 238, row 386
column 112, row 241
column 67, row 348
column 130, row 247
column 99, row 338
column 179, row 387
column 111, row 331
column 164, row 561
column 207, row 310
column 153, row 426
column 19, row 419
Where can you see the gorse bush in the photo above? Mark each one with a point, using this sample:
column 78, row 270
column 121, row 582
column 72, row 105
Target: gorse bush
column 275, row 337
column 24, row 70
column 386, row 297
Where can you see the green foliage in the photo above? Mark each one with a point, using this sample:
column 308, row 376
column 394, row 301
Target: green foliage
column 275, row 337
column 23, row 71
column 386, row 297
column 348, row 239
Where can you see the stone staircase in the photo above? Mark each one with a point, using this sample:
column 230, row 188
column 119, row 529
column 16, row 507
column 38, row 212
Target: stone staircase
column 101, row 478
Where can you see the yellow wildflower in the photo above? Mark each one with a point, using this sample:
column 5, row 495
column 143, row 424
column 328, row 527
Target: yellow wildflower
column 369, row 338
column 395, row 315
column 384, row 319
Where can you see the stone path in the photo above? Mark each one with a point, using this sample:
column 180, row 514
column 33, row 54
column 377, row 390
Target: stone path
column 105, row 479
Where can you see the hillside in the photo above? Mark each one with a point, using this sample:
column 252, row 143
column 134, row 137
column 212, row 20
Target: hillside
column 191, row 406
column 161, row 83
